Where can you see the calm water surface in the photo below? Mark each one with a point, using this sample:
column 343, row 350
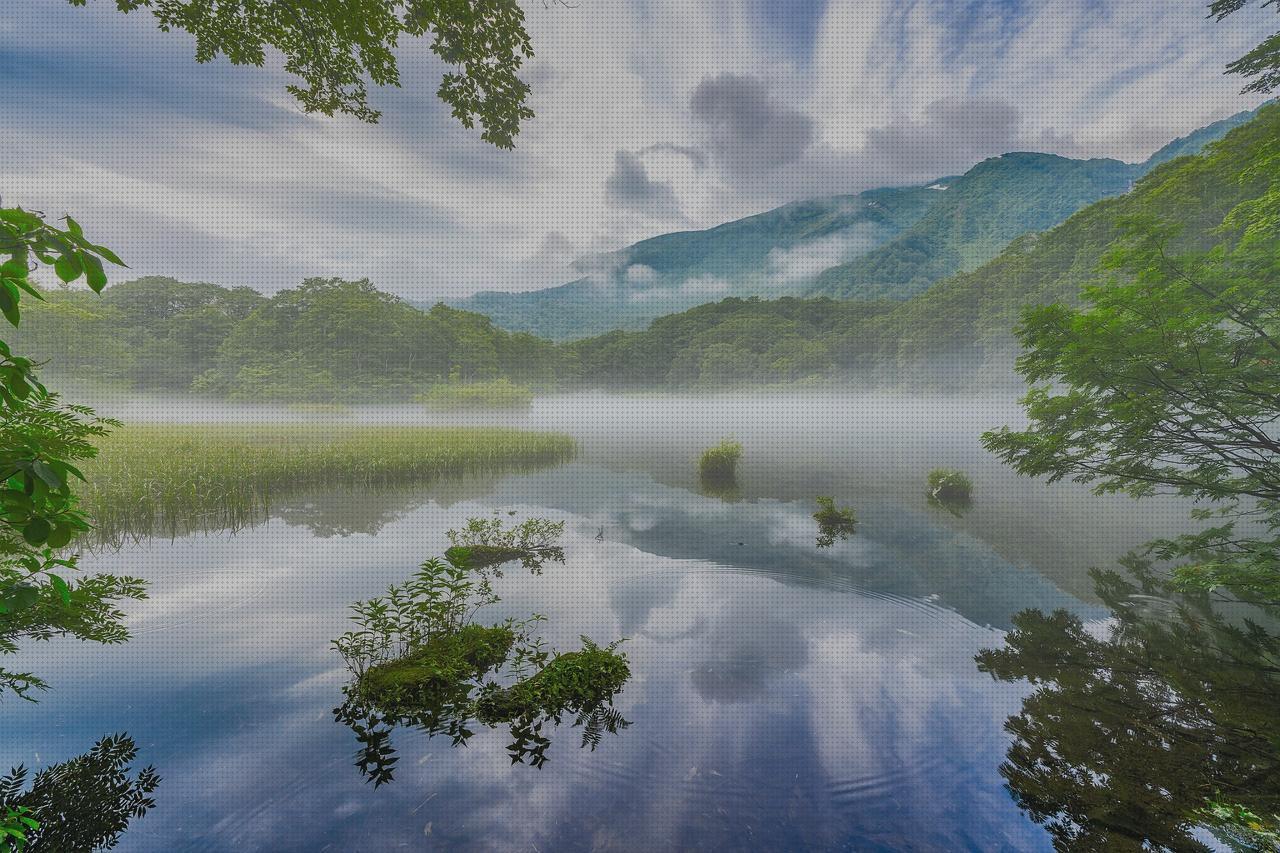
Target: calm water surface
column 783, row 696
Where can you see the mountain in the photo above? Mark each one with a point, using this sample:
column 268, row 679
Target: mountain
column 988, row 207
column 775, row 252
column 976, row 216
column 956, row 333
column 886, row 243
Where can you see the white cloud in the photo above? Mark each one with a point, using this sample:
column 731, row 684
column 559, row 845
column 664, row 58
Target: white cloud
column 209, row 172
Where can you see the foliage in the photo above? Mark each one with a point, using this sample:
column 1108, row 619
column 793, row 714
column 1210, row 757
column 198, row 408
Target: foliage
column 947, row 484
column 1166, row 380
column 958, row 332
column 498, row 393
column 15, row 823
column 338, row 49
column 720, row 463
column 833, row 522
column 1147, row 726
column 41, row 440
column 83, row 804
column 1263, row 62
column 153, row 480
column 328, row 341
column 974, row 218
column 485, row 543
column 418, row 658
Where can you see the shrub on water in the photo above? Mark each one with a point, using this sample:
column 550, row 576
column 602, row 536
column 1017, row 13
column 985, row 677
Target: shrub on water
column 946, row 484
column 719, row 464
column 833, row 522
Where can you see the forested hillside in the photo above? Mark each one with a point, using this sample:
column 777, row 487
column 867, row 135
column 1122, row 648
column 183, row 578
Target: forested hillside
column 327, row 340
column 957, row 328
column 335, row 340
column 974, row 218
column 774, row 253
column 888, row 243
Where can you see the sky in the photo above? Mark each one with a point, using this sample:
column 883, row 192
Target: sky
column 651, row 116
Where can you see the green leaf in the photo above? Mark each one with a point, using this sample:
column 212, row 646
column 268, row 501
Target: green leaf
column 74, row 227
column 97, row 278
column 25, row 285
column 60, row 535
column 60, row 586
column 9, row 305
column 49, row 474
column 37, row 531
column 14, row 268
column 68, row 267
column 109, row 255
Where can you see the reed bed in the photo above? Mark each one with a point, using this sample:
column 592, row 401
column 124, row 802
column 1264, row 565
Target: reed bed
column 168, row 480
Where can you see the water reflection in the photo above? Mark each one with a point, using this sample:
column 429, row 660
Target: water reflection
column 1149, row 729
column 418, row 657
column 833, row 522
column 82, row 804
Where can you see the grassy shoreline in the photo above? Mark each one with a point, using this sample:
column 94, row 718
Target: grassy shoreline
column 173, row 479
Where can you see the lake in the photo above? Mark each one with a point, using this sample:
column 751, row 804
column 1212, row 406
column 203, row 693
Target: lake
column 783, row 696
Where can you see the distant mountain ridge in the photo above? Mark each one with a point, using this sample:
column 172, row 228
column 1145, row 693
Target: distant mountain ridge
column 889, row 243
column 770, row 253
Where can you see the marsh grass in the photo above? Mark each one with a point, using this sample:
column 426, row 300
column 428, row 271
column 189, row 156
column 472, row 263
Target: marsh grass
column 169, row 480
column 719, row 464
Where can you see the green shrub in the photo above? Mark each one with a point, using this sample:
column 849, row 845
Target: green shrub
column 495, row 394
column 719, row 464
column 833, row 522
column 947, row 484
column 444, row 665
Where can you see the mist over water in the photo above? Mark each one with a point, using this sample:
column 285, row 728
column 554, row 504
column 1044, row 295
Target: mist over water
column 782, row 696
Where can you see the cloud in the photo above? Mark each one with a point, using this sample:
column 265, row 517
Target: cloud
column 210, row 172
column 748, row 130
column 629, row 188
column 803, row 261
column 950, row 136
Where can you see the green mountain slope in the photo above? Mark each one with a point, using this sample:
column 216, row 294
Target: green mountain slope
column 887, row 243
column 772, row 253
column 977, row 216
column 956, row 331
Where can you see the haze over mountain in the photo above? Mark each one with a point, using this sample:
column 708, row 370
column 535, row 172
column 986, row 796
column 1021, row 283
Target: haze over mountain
column 888, row 243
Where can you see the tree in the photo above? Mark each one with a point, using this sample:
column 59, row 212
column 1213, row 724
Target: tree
column 338, row 49
column 1141, row 730
column 1166, row 380
column 1263, row 62
column 40, row 441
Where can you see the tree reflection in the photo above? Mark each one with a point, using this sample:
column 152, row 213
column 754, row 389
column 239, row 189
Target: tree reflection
column 419, row 658
column 1150, row 730
column 83, row 804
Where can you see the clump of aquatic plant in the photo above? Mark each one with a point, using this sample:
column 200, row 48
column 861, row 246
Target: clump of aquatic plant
column 946, row 484
column 833, row 522
column 486, row 542
column 472, row 396
column 720, row 463
column 419, row 658
column 173, row 479
column 718, row 471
